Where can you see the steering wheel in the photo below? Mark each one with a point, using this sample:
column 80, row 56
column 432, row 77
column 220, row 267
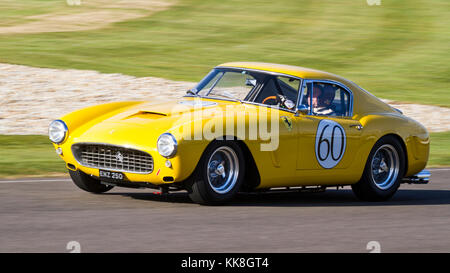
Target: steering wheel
column 276, row 98
column 280, row 101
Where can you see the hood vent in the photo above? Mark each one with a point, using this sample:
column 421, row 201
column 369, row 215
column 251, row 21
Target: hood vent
column 147, row 114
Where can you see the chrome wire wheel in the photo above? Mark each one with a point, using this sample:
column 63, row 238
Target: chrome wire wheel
column 385, row 166
column 223, row 170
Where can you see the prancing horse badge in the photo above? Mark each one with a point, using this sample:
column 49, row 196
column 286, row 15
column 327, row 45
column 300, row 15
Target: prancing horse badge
column 287, row 122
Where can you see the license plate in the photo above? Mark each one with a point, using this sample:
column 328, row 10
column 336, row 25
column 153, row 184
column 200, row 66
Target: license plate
column 109, row 175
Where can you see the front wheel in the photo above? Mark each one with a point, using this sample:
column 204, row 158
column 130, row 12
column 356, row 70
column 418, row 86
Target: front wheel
column 219, row 174
column 383, row 171
column 87, row 183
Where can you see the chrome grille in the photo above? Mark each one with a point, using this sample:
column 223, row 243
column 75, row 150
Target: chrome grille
column 115, row 158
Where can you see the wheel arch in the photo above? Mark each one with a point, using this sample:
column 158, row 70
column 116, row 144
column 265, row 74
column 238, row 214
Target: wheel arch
column 402, row 143
column 252, row 177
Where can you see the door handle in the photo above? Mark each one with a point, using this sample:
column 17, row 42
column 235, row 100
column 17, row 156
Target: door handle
column 356, row 126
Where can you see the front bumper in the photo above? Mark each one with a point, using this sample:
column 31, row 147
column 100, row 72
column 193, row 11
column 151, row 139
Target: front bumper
column 160, row 174
column 422, row 177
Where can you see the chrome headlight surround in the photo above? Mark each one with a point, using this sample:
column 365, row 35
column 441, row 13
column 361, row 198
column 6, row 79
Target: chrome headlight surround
column 167, row 145
column 57, row 131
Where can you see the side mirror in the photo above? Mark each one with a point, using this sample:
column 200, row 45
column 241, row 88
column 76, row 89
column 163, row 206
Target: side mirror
column 289, row 104
column 250, row 82
column 302, row 109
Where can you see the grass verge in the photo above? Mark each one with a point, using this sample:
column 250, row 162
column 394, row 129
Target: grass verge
column 27, row 156
column 440, row 149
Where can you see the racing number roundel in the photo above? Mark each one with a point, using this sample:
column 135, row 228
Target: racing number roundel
column 330, row 143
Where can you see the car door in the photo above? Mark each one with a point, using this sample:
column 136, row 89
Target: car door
column 281, row 159
column 328, row 137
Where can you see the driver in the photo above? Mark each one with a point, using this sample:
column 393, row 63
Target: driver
column 326, row 106
column 322, row 99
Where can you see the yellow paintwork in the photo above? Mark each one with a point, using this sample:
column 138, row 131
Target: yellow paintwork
column 138, row 124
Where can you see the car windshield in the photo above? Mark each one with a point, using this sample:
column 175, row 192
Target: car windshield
column 249, row 86
column 235, row 85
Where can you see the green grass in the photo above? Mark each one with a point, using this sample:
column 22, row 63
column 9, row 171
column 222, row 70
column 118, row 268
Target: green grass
column 28, row 155
column 34, row 155
column 440, row 149
column 399, row 50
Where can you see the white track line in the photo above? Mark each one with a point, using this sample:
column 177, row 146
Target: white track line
column 33, row 181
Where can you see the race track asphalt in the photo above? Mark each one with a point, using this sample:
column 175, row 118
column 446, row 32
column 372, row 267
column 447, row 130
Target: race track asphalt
column 45, row 214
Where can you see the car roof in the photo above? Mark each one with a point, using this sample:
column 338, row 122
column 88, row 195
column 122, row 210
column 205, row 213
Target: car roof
column 313, row 74
column 297, row 71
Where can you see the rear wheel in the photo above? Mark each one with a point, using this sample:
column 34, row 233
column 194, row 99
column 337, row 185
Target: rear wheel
column 383, row 171
column 87, row 183
column 219, row 174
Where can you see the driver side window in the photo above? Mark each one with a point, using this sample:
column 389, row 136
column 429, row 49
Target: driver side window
column 279, row 91
column 326, row 99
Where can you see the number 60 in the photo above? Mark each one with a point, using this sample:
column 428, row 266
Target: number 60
column 330, row 143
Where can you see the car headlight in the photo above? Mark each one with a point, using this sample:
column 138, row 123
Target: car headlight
column 167, row 145
column 57, row 131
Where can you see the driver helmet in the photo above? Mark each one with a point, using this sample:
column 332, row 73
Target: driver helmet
column 328, row 94
column 315, row 96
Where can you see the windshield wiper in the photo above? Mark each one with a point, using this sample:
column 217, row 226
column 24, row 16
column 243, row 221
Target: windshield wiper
column 227, row 95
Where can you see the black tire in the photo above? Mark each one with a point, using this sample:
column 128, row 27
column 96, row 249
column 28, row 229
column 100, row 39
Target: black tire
column 201, row 189
column 371, row 186
column 87, row 183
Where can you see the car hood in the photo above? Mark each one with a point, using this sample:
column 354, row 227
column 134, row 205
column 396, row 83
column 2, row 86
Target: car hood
column 146, row 121
column 164, row 108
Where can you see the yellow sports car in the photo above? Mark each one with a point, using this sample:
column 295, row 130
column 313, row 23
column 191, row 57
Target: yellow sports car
column 247, row 127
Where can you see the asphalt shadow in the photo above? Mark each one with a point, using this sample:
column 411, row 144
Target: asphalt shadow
column 329, row 198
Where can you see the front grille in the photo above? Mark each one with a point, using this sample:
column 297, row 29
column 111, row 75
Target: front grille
column 115, row 158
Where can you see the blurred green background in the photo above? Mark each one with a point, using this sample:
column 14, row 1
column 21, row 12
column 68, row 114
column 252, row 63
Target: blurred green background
column 398, row 50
